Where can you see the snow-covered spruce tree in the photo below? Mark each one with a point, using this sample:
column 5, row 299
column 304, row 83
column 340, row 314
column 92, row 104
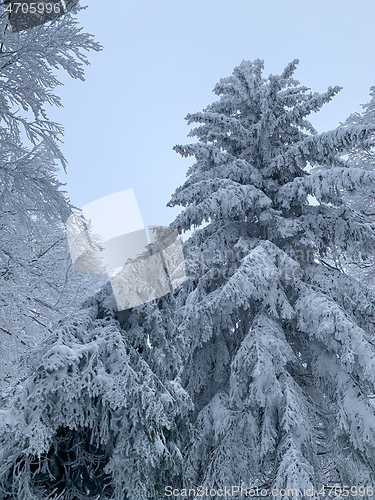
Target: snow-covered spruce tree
column 36, row 276
column 100, row 414
column 279, row 344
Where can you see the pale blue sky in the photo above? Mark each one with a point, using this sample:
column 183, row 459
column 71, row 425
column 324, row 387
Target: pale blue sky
column 161, row 60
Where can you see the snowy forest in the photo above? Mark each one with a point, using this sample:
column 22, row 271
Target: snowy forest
column 256, row 376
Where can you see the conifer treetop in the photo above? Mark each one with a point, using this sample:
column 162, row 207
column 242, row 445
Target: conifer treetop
column 257, row 133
